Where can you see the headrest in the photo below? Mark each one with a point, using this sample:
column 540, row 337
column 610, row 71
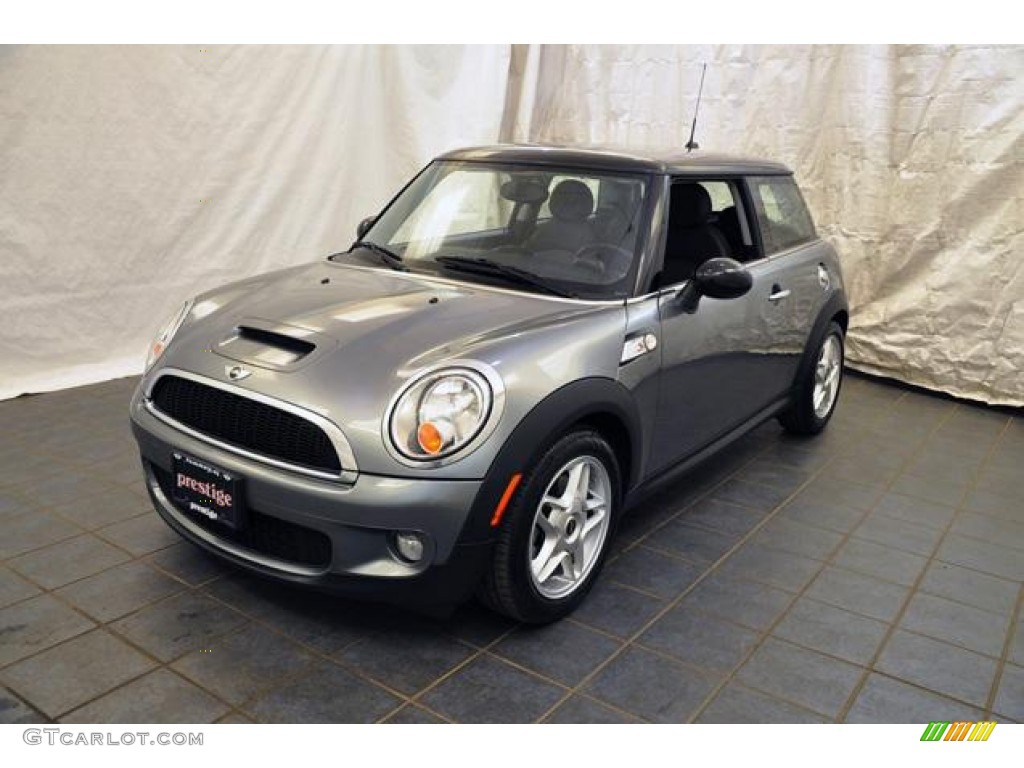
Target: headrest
column 690, row 205
column 571, row 200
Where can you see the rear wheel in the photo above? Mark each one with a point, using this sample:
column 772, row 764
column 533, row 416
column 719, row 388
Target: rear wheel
column 554, row 536
column 818, row 392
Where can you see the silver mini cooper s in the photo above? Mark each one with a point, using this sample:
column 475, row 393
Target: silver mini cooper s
column 516, row 349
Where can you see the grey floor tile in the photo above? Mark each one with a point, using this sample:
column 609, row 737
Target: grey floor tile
column 886, row 563
column 67, row 561
column 490, row 691
column 36, row 624
column 771, row 566
column 969, row 586
column 62, row 678
column 722, row 516
column 68, row 487
column 141, row 535
column 885, row 700
column 695, row 543
column 410, row 714
column 327, row 694
column 474, row 624
column 699, row 639
column 800, row 676
column 956, row 623
column 774, row 474
column 119, row 590
column 235, row 718
column 581, row 709
column 242, row 664
column 984, row 501
column 173, row 627
column 15, row 711
column 320, row 621
column 837, row 492
column 187, row 562
column 565, row 652
column 407, row 659
column 938, row 666
column 833, row 517
column 14, row 588
column 787, row 535
column 898, row 534
column 617, row 609
column 832, row 630
column 743, row 602
column 94, row 512
column 653, row 572
column 982, row 556
column 935, row 489
column 159, row 697
column 997, row 530
column 915, row 511
column 1017, row 647
column 858, row 593
column 652, row 687
column 757, row 496
column 1010, row 696
column 32, row 531
column 736, row 703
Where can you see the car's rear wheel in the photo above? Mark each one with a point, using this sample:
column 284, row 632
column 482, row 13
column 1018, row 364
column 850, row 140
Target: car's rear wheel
column 554, row 536
column 818, row 391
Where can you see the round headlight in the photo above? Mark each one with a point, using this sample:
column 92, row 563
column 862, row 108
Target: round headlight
column 440, row 414
column 166, row 333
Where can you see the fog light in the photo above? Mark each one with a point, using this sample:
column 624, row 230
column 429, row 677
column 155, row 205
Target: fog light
column 409, row 545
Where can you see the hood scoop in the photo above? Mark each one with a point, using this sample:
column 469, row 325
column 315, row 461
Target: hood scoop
column 270, row 345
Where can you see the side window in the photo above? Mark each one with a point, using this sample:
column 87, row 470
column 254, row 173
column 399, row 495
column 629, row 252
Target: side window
column 781, row 212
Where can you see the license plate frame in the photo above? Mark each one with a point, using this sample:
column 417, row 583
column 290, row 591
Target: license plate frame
column 207, row 493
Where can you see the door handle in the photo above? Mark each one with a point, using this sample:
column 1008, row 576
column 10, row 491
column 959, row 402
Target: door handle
column 777, row 293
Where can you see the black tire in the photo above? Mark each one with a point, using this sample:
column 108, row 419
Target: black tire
column 508, row 586
column 800, row 418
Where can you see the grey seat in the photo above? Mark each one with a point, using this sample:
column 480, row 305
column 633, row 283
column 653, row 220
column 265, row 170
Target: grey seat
column 569, row 228
column 692, row 238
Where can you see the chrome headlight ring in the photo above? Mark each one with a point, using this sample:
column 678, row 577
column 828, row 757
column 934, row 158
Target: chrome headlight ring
column 443, row 413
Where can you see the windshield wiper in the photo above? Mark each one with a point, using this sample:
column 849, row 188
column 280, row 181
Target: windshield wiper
column 484, row 266
column 387, row 256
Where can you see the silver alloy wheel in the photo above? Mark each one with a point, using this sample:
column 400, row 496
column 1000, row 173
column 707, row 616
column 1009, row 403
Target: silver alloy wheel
column 570, row 527
column 827, row 373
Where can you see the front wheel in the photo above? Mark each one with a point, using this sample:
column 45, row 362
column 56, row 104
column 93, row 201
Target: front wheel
column 554, row 536
column 818, row 391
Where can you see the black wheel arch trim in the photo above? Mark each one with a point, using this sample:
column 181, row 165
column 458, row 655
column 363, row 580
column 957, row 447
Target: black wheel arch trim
column 836, row 304
column 550, row 418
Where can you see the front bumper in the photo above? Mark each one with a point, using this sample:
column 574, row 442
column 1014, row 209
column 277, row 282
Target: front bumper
column 323, row 533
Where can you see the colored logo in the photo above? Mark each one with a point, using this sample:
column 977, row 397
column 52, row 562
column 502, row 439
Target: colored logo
column 958, row 731
column 237, row 372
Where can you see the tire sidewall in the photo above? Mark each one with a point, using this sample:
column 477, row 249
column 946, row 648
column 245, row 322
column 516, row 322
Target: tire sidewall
column 818, row 422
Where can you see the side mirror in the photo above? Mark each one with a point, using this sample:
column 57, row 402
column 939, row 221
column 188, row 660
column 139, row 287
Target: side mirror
column 722, row 279
column 364, row 226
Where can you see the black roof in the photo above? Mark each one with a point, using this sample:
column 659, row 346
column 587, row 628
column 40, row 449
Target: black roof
column 675, row 161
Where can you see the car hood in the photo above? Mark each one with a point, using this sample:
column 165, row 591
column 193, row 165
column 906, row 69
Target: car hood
column 365, row 314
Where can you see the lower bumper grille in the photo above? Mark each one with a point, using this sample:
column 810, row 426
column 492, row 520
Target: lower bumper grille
column 261, row 533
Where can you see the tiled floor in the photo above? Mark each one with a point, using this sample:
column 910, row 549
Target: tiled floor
column 873, row 574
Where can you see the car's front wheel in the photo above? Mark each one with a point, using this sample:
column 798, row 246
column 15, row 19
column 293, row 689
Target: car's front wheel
column 554, row 536
column 817, row 393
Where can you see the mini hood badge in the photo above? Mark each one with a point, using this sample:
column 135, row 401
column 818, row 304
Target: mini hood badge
column 237, row 372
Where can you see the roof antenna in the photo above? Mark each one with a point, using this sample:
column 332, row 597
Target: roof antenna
column 691, row 144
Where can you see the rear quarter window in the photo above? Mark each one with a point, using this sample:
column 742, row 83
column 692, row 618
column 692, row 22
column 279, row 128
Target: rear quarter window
column 782, row 213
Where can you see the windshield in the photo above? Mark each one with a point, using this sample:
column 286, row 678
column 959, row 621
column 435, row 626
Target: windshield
column 541, row 229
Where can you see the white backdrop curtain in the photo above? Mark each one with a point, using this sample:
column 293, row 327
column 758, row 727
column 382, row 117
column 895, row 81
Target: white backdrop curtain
column 132, row 177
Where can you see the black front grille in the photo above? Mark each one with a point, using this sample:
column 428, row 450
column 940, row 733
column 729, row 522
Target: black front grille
column 261, row 533
column 246, row 423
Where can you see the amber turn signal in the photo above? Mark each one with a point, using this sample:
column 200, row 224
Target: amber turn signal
column 430, row 438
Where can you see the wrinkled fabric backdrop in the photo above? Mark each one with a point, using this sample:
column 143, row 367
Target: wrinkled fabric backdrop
column 134, row 176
